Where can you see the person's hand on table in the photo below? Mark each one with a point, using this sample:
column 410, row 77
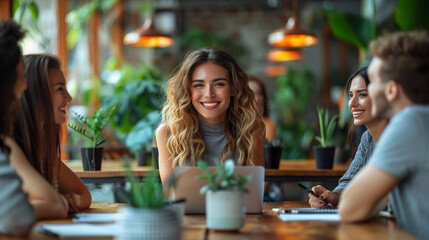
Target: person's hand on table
column 326, row 198
column 74, row 201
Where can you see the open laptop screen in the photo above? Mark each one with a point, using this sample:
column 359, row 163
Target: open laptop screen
column 186, row 185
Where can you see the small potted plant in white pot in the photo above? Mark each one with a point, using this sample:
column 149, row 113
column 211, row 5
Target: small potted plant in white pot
column 147, row 216
column 225, row 207
column 91, row 129
column 325, row 153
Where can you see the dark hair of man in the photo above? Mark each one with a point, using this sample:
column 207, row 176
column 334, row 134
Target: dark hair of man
column 10, row 53
column 363, row 72
column 405, row 59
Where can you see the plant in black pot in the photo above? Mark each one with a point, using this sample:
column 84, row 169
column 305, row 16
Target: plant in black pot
column 325, row 152
column 273, row 153
column 139, row 139
column 136, row 96
column 91, row 129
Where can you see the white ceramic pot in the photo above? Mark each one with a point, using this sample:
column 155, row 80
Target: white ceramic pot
column 225, row 210
column 139, row 223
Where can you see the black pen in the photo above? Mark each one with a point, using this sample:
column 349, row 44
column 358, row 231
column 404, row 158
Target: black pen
column 308, row 190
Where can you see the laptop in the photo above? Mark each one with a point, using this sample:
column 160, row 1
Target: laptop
column 187, row 186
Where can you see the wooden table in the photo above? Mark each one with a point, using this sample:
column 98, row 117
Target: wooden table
column 289, row 171
column 265, row 226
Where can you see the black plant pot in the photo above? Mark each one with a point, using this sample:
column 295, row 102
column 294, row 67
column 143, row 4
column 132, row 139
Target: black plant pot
column 141, row 158
column 324, row 157
column 273, row 156
column 155, row 157
column 91, row 158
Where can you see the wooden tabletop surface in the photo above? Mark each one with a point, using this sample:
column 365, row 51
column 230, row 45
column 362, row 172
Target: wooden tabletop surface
column 289, row 170
column 264, row 226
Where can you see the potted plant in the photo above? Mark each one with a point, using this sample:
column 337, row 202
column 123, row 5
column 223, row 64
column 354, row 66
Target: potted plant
column 225, row 208
column 147, row 216
column 273, row 153
column 91, row 129
column 136, row 98
column 325, row 153
column 139, row 139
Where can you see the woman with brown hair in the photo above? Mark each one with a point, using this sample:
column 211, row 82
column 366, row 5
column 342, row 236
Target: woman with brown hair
column 53, row 188
column 360, row 105
column 17, row 216
column 261, row 105
column 209, row 115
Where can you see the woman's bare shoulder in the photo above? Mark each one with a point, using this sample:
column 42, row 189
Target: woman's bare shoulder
column 269, row 122
column 162, row 132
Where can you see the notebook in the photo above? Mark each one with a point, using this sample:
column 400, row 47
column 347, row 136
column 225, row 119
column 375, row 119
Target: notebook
column 187, row 186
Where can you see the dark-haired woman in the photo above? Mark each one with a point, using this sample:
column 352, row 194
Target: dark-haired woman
column 16, row 214
column 360, row 105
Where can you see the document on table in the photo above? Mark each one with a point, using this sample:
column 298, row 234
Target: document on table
column 78, row 230
column 95, row 217
column 308, row 214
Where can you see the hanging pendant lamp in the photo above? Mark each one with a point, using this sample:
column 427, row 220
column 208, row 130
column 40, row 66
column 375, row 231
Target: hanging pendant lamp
column 148, row 36
column 284, row 55
column 292, row 35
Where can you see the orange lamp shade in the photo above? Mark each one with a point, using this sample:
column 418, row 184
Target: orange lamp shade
column 274, row 71
column 134, row 39
column 297, row 40
column 147, row 36
column 292, row 35
column 284, row 55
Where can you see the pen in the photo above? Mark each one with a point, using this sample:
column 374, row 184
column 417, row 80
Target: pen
column 308, row 190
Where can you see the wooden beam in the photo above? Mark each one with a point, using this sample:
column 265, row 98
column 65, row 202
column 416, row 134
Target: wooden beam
column 117, row 31
column 93, row 45
column 63, row 55
column 325, row 90
column 5, row 9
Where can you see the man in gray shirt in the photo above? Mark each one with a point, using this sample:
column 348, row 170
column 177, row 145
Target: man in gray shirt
column 399, row 75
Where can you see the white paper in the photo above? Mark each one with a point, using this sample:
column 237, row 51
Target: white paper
column 79, row 230
column 96, row 217
column 309, row 217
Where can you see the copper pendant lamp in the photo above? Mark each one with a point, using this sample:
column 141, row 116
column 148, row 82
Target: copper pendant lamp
column 292, row 35
column 148, row 36
column 284, row 55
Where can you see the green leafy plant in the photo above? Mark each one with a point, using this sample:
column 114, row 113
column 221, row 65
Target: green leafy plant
column 294, row 91
column 146, row 193
column 91, row 128
column 136, row 96
column 140, row 137
column 327, row 127
column 77, row 18
column 223, row 178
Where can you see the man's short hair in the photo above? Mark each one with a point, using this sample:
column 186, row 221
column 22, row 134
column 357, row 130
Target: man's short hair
column 405, row 59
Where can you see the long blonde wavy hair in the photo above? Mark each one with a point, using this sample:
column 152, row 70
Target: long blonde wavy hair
column 242, row 122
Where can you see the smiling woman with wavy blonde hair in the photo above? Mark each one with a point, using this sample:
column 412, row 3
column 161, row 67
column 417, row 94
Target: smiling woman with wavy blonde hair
column 208, row 115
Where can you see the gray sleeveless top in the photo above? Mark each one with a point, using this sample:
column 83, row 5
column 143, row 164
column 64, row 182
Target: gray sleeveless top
column 215, row 140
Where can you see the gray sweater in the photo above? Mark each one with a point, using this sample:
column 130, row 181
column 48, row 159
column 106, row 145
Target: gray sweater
column 215, row 140
column 16, row 214
column 364, row 152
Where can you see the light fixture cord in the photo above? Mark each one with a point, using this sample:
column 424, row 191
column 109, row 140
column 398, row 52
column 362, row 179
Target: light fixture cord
column 295, row 9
